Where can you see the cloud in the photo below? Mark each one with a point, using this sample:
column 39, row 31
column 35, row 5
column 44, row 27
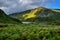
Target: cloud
column 11, row 6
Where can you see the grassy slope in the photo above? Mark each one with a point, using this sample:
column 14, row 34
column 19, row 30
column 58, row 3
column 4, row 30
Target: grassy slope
column 30, row 32
column 6, row 19
column 39, row 15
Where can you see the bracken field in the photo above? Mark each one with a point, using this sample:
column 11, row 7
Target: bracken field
column 30, row 32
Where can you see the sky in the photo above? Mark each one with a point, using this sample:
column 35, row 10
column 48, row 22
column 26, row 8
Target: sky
column 12, row 6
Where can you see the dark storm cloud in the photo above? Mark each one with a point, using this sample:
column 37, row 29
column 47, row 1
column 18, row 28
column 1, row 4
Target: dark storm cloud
column 11, row 6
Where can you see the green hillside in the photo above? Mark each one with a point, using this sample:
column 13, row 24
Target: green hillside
column 5, row 19
column 39, row 14
column 30, row 31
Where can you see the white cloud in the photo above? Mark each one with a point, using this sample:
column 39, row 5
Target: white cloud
column 10, row 6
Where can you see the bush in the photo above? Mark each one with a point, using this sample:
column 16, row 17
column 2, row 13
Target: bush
column 30, row 32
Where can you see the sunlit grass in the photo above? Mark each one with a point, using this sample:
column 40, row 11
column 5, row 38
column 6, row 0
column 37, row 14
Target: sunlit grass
column 31, row 14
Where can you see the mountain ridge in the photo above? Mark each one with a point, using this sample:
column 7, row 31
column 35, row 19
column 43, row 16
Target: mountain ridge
column 39, row 14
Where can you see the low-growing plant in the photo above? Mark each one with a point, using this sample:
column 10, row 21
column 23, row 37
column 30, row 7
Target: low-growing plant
column 30, row 32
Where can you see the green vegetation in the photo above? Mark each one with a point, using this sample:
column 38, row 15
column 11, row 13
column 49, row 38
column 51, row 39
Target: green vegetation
column 5, row 19
column 30, row 32
column 13, row 29
column 40, row 14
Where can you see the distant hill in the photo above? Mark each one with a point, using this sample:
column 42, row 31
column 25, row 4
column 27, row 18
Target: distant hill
column 5, row 19
column 57, row 10
column 39, row 14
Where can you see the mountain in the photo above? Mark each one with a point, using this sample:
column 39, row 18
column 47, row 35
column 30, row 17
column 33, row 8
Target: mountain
column 39, row 14
column 5, row 19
